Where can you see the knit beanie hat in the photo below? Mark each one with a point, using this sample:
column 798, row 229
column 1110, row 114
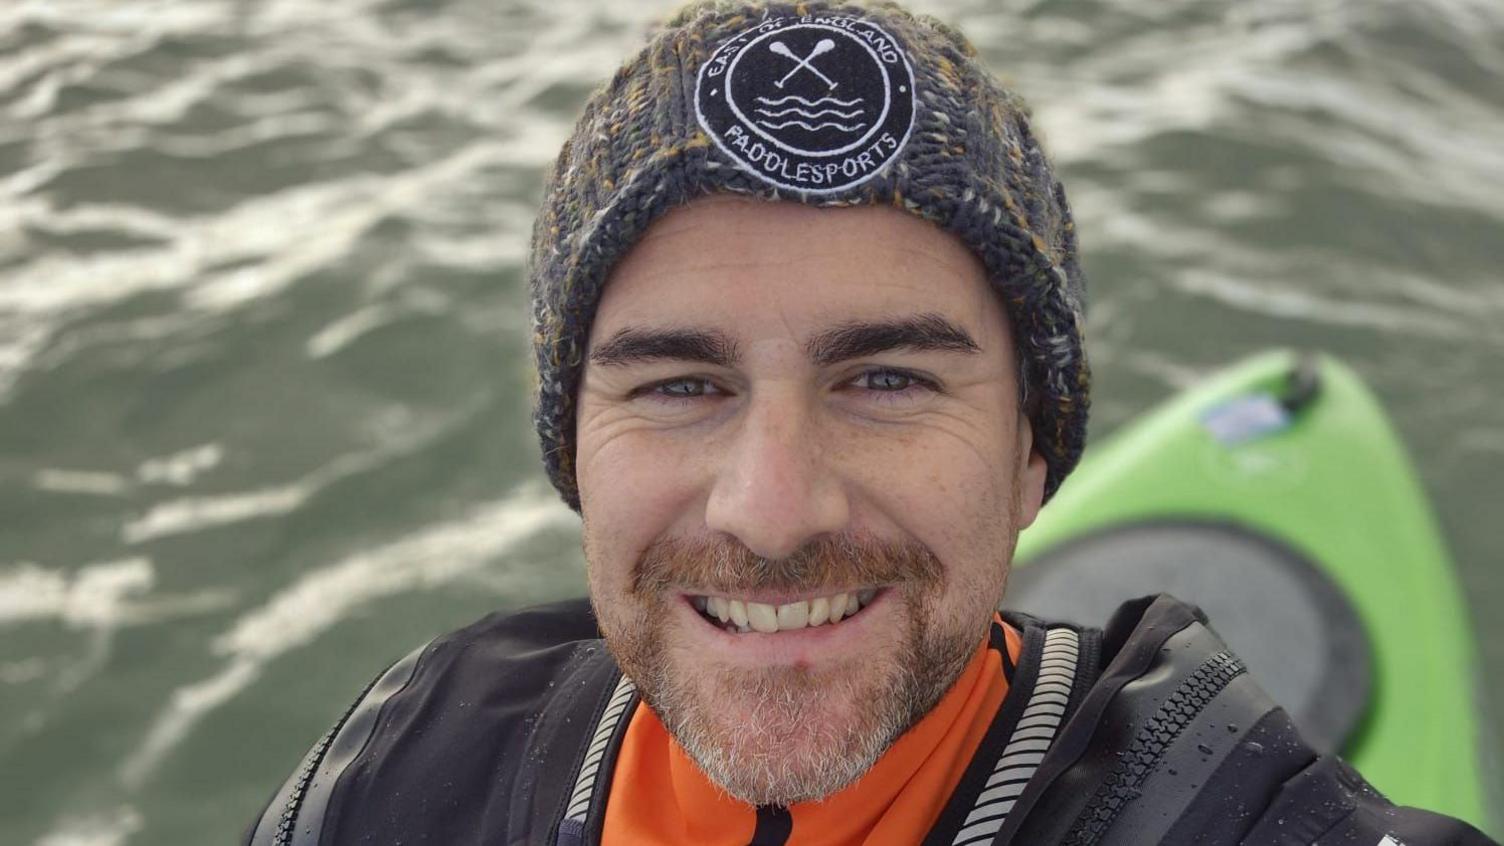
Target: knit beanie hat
column 826, row 104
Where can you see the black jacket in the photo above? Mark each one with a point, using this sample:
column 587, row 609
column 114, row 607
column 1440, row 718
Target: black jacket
column 1148, row 731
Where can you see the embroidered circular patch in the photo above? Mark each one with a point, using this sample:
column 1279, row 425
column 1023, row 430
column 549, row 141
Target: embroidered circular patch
column 815, row 103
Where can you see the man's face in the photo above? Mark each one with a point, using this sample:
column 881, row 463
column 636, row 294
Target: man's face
column 787, row 411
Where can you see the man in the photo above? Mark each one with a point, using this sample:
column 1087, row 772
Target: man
column 808, row 327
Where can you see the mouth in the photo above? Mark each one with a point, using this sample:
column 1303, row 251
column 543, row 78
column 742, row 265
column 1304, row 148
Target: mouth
column 740, row 615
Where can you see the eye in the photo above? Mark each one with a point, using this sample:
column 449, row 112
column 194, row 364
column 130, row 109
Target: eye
column 889, row 385
column 683, row 389
column 887, row 380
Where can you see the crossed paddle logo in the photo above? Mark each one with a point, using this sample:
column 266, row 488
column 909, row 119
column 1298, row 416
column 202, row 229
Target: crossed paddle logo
column 825, row 45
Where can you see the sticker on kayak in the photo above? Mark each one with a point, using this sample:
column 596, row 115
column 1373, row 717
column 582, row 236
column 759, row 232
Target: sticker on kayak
column 1245, row 418
column 815, row 103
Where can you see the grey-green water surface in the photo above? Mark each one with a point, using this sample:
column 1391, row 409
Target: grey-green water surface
column 263, row 340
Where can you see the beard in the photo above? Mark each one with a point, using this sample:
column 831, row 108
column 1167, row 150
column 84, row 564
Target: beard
column 778, row 735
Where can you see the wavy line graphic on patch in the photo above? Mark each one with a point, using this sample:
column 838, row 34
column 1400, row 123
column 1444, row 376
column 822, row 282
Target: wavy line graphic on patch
column 810, row 126
column 833, row 101
column 823, row 113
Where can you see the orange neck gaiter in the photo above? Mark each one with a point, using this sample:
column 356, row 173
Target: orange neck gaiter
column 659, row 796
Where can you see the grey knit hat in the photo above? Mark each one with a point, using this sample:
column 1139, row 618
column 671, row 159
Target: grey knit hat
column 826, row 104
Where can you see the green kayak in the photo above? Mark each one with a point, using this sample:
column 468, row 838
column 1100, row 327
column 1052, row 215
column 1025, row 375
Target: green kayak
column 1277, row 497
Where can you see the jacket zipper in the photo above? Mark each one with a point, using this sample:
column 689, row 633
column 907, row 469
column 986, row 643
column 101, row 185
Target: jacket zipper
column 289, row 819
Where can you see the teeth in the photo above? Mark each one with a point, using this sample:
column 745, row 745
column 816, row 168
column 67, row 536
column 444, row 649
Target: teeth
column 738, row 615
column 793, row 616
column 762, row 617
column 819, row 610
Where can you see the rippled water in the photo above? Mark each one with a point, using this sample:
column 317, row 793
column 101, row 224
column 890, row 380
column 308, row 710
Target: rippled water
column 263, row 370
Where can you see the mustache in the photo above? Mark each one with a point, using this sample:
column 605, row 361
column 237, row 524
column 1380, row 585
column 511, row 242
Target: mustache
column 724, row 565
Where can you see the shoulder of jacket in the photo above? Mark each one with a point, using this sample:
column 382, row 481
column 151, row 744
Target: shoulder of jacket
column 1171, row 703
column 1176, row 743
column 520, row 647
column 1329, row 802
column 450, row 712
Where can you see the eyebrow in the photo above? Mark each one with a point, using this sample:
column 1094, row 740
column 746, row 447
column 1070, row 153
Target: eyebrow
column 921, row 333
column 640, row 346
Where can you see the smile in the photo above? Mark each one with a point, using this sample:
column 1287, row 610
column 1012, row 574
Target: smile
column 740, row 616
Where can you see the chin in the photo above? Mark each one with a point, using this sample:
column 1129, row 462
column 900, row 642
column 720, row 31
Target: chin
column 784, row 735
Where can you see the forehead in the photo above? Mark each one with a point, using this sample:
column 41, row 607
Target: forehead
column 734, row 262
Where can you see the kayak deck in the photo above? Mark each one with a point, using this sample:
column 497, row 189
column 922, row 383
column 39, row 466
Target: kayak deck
column 1295, row 451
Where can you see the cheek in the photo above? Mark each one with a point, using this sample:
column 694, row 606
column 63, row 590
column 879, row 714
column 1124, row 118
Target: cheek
column 944, row 489
column 954, row 496
column 633, row 491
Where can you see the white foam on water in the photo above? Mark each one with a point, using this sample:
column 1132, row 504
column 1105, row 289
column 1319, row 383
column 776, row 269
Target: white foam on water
column 405, row 299
column 1304, row 285
column 342, row 332
column 1406, row 147
column 23, row 671
column 270, row 240
column 268, row 243
column 1482, row 439
column 1169, row 372
column 19, row 343
column 101, row 828
column 94, row 482
column 97, row 600
column 321, row 598
column 93, row 597
column 181, row 468
column 1289, row 302
column 192, row 514
column 198, row 513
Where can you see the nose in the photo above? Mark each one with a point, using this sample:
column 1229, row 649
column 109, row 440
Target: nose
column 775, row 489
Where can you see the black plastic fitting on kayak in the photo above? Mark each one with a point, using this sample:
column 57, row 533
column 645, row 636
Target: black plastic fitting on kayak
column 1303, row 383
